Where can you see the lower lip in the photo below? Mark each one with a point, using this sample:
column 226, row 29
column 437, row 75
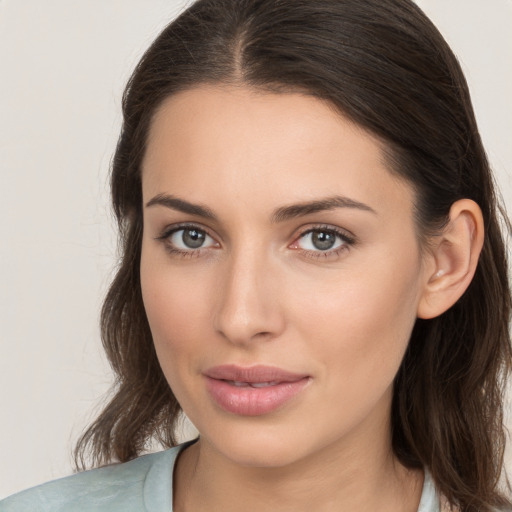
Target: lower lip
column 248, row 401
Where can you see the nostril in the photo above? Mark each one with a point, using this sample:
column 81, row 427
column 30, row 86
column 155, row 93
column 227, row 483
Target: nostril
column 247, row 327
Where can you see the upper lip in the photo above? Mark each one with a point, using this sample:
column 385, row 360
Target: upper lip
column 258, row 373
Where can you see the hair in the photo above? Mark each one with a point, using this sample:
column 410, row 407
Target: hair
column 383, row 65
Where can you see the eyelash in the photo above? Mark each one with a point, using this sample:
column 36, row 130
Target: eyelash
column 168, row 232
column 348, row 241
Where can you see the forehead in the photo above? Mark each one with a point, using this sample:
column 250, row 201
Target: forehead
column 210, row 112
column 217, row 142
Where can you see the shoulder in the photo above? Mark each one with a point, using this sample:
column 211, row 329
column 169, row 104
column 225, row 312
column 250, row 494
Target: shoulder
column 127, row 487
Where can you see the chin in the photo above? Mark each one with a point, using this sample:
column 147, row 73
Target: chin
column 260, row 445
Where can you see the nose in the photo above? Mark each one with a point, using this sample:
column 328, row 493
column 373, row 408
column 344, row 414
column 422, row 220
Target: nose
column 247, row 304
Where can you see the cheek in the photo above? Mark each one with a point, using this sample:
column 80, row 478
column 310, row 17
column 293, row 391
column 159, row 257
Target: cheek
column 177, row 307
column 173, row 308
column 362, row 321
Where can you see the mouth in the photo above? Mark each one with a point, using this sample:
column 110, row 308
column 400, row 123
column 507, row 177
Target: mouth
column 253, row 391
column 239, row 384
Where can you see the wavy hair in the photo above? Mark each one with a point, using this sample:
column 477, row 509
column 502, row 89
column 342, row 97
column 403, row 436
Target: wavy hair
column 384, row 65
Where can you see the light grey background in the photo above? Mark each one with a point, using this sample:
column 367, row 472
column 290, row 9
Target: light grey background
column 62, row 69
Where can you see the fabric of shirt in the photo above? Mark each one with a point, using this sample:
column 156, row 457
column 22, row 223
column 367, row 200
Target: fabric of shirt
column 141, row 485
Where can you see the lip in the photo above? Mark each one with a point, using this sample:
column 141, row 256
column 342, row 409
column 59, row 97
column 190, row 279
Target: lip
column 254, row 390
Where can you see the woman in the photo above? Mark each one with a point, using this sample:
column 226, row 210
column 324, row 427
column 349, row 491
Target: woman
column 313, row 271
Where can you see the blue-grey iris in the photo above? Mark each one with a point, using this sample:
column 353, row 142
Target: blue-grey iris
column 323, row 240
column 193, row 238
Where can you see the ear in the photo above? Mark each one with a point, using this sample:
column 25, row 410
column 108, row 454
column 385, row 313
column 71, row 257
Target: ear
column 452, row 259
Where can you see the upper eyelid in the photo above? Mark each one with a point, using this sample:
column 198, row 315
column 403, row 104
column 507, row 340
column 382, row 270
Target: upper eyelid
column 172, row 228
column 325, row 227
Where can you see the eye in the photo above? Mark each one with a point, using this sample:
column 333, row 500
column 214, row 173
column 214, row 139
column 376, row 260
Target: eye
column 187, row 239
column 323, row 241
column 320, row 241
column 190, row 238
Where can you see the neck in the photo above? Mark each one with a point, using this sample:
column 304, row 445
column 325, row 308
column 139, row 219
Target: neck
column 342, row 476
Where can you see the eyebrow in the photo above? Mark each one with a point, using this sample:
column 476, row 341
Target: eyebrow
column 279, row 215
column 328, row 203
column 181, row 205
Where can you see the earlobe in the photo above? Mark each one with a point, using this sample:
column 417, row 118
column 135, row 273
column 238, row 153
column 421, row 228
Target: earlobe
column 453, row 259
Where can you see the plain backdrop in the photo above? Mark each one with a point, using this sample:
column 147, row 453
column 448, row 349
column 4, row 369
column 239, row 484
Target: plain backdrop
column 63, row 66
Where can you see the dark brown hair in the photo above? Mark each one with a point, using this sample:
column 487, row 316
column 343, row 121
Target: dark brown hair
column 385, row 66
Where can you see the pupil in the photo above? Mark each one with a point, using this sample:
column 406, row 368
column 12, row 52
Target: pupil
column 323, row 240
column 193, row 238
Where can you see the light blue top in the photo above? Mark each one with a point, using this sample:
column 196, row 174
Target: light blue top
column 141, row 485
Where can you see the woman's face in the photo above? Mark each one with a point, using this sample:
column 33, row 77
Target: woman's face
column 280, row 272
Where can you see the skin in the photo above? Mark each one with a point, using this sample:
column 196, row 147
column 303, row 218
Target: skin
column 259, row 292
